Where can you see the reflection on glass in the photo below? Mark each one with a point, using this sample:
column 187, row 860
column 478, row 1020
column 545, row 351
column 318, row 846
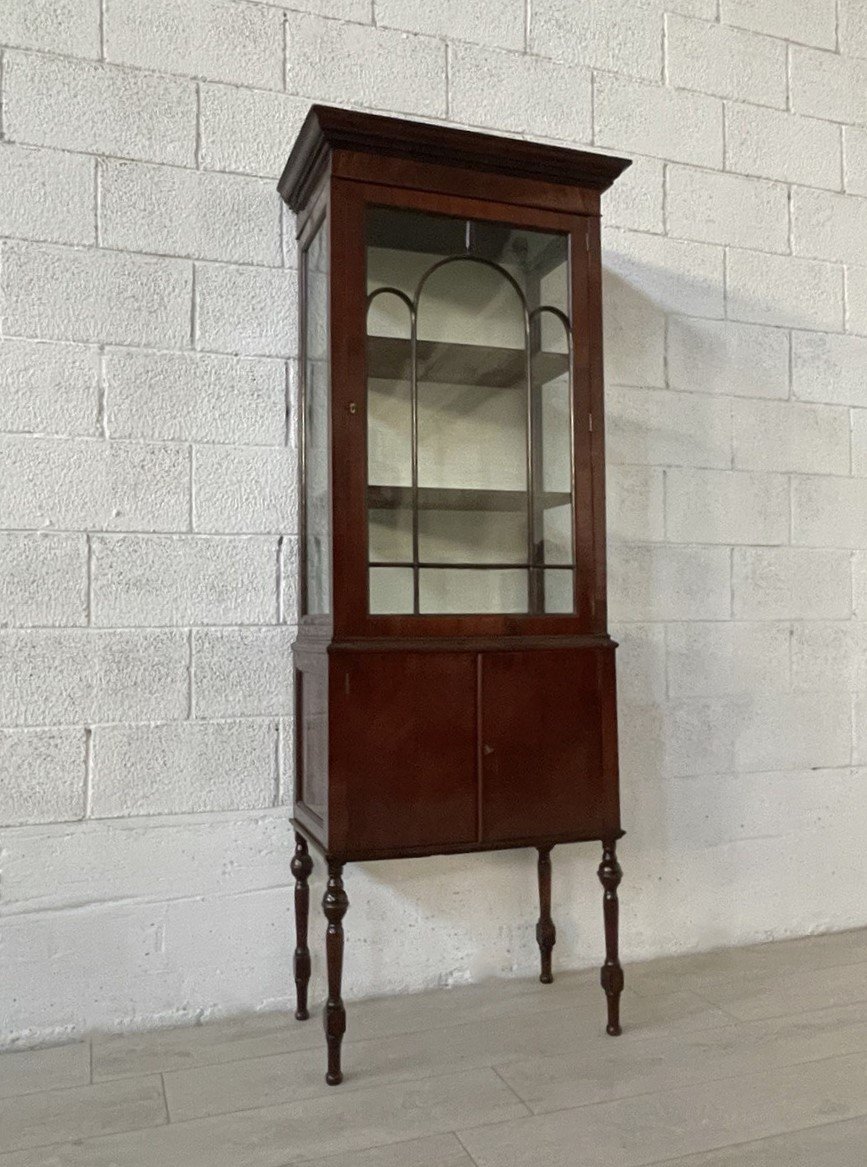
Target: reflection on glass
column 469, row 417
column 317, row 519
column 391, row 590
column 466, row 591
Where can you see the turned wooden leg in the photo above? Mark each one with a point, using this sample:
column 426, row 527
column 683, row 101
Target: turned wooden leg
column 301, row 867
column 546, row 933
column 610, row 875
column 334, row 905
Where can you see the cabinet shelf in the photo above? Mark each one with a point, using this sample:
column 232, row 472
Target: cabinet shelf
column 389, row 358
column 436, row 498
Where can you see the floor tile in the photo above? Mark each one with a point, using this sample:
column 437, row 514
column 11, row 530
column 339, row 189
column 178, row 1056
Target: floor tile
column 695, row 970
column 635, row 1064
column 778, row 994
column 28, row 1071
column 491, row 1000
column 342, row 1122
column 839, row 1144
column 130, row 1055
column 438, row 1151
column 726, row 1059
column 211, row 1090
column 54, row 1116
column 653, row 1127
column 219, row 1042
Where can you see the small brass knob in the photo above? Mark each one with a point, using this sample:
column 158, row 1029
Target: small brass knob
column 353, row 408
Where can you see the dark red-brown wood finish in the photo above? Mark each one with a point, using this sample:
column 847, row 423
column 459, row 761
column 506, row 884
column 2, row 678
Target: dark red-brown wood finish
column 445, row 733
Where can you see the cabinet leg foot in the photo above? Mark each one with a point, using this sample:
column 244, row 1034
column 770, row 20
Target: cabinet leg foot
column 301, row 867
column 546, row 933
column 611, row 977
column 334, row 904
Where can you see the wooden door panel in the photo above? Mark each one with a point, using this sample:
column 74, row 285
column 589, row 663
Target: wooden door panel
column 403, row 748
column 541, row 745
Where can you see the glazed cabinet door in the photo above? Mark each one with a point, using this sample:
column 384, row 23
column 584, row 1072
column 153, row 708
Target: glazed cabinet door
column 403, row 750
column 544, row 750
column 462, row 415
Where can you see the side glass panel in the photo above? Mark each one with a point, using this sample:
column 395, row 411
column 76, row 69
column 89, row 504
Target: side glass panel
column 317, row 516
column 469, row 496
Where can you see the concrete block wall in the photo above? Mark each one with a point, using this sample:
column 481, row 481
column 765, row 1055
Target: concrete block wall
column 148, row 516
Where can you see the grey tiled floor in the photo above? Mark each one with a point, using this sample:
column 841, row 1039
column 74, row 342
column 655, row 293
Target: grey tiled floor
column 753, row 1056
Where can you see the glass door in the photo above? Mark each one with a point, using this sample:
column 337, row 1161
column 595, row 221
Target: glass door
column 469, row 417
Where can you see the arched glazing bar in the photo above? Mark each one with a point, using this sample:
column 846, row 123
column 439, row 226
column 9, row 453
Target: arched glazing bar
column 539, row 562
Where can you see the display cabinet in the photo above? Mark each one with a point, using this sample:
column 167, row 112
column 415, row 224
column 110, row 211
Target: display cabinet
column 454, row 677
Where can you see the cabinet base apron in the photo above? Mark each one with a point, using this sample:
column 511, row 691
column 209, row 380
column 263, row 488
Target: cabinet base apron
column 336, row 902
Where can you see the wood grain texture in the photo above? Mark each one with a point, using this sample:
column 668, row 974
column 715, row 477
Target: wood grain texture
column 327, row 128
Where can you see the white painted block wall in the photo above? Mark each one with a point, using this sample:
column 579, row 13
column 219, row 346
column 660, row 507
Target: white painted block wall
column 147, row 400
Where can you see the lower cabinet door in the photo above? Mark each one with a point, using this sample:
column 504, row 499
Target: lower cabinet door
column 403, row 750
column 541, row 731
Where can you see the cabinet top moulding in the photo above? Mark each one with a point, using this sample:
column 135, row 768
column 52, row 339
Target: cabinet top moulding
column 372, row 148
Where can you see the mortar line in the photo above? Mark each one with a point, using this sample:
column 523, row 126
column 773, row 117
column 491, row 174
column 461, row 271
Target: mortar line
column 664, row 77
column 270, row 178
column 102, row 30
column 632, row 78
column 172, row 257
column 266, row 536
column 255, row 718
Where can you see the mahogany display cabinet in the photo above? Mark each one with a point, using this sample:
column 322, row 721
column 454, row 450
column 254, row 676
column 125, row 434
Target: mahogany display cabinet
column 454, row 677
